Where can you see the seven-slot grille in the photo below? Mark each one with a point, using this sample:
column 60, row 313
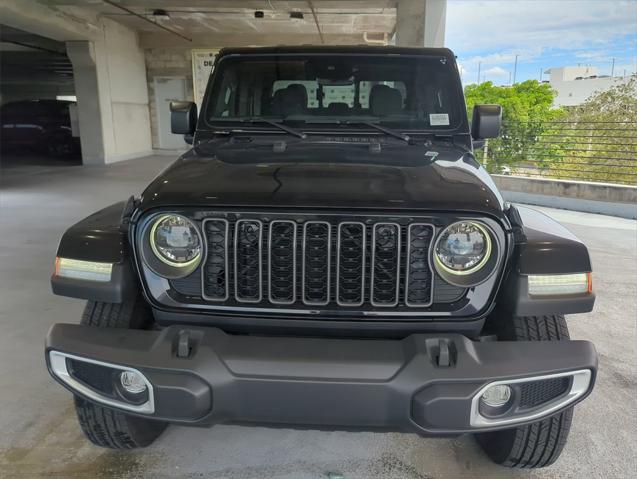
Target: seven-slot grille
column 317, row 263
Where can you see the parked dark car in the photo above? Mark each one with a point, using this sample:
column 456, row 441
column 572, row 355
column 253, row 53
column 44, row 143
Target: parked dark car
column 329, row 254
column 42, row 126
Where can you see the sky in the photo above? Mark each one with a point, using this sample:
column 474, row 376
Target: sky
column 543, row 33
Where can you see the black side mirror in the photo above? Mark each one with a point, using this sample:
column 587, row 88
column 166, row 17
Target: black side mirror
column 183, row 117
column 486, row 121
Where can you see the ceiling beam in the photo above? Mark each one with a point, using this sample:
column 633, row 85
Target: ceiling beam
column 164, row 40
column 247, row 4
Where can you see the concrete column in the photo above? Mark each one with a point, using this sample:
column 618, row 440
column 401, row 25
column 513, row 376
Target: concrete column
column 82, row 55
column 112, row 95
column 421, row 23
column 110, row 76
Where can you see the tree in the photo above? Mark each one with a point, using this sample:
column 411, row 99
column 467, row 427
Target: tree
column 601, row 137
column 527, row 115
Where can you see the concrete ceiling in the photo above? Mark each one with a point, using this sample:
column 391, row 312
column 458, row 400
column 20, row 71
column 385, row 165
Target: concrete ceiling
column 326, row 21
column 29, row 58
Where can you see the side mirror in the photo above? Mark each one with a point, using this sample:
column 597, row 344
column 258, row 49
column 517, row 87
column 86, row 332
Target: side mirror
column 486, row 121
column 183, row 117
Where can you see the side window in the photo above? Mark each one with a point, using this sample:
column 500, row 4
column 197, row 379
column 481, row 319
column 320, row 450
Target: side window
column 63, row 110
column 225, row 108
column 11, row 109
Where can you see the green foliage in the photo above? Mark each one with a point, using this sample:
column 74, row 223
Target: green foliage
column 594, row 141
column 527, row 113
column 600, row 138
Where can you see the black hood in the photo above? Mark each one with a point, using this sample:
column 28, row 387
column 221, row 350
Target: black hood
column 327, row 173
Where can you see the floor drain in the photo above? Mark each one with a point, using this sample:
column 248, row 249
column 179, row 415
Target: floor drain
column 335, row 475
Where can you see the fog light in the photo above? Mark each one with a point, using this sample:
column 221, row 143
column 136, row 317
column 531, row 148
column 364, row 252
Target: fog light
column 497, row 396
column 132, row 382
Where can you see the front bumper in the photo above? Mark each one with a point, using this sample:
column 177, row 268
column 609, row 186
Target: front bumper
column 426, row 383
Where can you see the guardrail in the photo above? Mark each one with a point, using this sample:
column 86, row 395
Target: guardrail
column 597, row 151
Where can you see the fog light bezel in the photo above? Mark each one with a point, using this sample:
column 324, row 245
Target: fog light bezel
column 580, row 384
column 59, row 368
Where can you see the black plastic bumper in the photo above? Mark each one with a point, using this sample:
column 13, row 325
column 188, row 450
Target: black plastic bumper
column 326, row 383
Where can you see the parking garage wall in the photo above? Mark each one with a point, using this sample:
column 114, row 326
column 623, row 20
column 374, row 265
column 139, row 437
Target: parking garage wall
column 166, row 62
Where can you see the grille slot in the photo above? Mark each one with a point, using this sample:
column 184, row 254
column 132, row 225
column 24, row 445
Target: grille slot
column 282, row 262
column 215, row 269
column 248, row 244
column 350, row 264
column 385, row 280
column 317, row 249
column 419, row 277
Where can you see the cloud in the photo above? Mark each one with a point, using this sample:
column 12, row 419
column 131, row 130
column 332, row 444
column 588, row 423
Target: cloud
column 476, row 25
column 497, row 72
column 489, row 34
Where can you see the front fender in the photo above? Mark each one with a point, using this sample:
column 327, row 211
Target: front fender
column 544, row 247
column 102, row 238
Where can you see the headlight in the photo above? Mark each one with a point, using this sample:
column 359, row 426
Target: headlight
column 175, row 241
column 462, row 252
column 172, row 246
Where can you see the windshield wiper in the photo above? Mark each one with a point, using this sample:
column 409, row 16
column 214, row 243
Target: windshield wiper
column 387, row 131
column 278, row 125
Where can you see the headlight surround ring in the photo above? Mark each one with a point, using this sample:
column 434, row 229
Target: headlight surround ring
column 161, row 263
column 476, row 273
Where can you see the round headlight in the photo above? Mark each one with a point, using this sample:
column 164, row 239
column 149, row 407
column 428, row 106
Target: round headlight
column 463, row 248
column 175, row 241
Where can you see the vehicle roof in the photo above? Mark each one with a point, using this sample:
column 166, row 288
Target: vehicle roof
column 337, row 49
column 39, row 101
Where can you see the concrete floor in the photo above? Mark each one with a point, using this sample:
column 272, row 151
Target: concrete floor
column 40, row 437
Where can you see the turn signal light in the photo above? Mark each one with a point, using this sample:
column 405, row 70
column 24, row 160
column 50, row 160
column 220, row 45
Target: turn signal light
column 560, row 284
column 86, row 270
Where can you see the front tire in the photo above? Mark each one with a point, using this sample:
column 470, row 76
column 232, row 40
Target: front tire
column 106, row 427
column 539, row 444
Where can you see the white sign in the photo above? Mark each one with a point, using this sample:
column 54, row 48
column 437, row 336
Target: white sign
column 439, row 119
column 202, row 61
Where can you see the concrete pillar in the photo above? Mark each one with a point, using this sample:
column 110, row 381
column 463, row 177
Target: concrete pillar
column 112, row 96
column 82, row 55
column 110, row 76
column 421, row 23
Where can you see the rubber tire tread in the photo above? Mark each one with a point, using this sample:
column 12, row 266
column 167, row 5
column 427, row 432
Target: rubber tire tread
column 541, row 443
column 106, row 427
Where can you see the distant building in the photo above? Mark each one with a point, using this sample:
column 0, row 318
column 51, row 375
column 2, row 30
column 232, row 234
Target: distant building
column 574, row 85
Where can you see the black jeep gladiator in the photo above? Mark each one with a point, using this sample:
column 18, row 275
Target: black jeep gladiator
column 329, row 254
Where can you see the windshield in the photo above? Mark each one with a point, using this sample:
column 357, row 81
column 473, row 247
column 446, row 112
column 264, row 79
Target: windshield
column 405, row 92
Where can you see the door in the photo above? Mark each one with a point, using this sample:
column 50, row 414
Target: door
column 168, row 89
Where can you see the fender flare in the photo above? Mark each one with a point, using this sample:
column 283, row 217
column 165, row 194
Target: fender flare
column 101, row 237
column 544, row 247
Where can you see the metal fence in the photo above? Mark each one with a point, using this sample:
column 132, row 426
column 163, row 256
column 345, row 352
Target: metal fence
column 590, row 151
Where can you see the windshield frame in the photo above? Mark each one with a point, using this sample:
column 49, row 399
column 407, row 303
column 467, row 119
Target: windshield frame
column 461, row 125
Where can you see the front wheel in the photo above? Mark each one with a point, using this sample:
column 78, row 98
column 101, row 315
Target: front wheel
column 103, row 426
column 538, row 444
